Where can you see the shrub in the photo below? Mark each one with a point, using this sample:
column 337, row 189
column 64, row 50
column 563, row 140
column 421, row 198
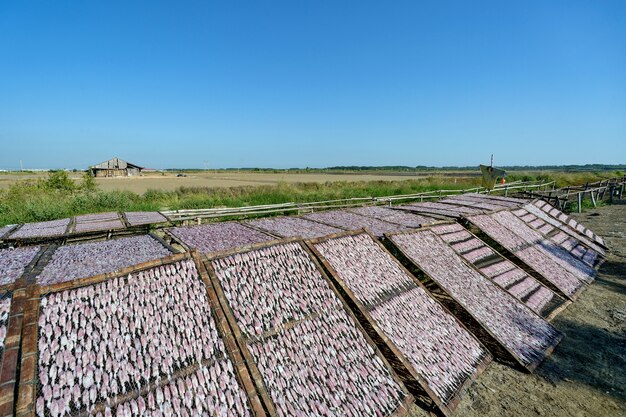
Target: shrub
column 60, row 181
column 89, row 182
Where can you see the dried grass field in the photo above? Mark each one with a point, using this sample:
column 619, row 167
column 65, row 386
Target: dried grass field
column 169, row 181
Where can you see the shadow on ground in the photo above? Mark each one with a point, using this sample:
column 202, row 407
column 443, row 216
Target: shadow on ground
column 589, row 355
column 613, row 276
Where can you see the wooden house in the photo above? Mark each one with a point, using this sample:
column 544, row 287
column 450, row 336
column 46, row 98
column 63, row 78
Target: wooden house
column 115, row 167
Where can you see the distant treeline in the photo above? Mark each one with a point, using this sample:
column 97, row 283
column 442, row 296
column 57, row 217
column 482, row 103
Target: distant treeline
column 422, row 168
column 385, row 168
column 572, row 168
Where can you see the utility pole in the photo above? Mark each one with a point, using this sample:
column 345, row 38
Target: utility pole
column 21, row 166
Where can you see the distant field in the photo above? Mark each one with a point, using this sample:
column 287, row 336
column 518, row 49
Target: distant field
column 55, row 196
column 170, row 182
column 27, row 197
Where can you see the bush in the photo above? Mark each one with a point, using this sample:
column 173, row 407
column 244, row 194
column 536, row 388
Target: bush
column 89, row 182
column 59, row 181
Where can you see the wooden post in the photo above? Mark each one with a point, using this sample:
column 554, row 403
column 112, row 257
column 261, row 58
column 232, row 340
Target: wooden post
column 593, row 200
column 580, row 202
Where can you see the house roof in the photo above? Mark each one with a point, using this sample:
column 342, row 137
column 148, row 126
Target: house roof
column 115, row 163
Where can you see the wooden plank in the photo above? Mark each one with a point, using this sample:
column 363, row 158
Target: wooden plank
column 10, row 356
column 176, row 240
column 164, row 243
column 25, row 404
column 124, row 220
column 9, row 230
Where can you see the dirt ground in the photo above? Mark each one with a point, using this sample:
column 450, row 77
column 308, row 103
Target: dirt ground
column 169, row 181
column 586, row 374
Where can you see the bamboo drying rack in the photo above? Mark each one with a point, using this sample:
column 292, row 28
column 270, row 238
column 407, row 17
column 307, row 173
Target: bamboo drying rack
column 498, row 348
column 551, row 310
column 28, row 376
column 402, row 365
column 242, row 340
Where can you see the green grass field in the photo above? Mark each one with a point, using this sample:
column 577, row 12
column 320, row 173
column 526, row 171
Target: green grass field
column 57, row 196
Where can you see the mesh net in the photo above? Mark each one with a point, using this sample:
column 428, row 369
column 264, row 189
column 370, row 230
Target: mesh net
column 218, row 236
column 13, row 262
column 394, row 216
column 42, row 229
column 136, row 218
column 87, row 259
column 352, row 221
column 294, row 226
column 5, row 310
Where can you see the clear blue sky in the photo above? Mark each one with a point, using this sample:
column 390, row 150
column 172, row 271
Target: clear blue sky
column 312, row 83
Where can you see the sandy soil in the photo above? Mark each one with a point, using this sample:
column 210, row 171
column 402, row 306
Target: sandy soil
column 169, row 181
column 586, row 374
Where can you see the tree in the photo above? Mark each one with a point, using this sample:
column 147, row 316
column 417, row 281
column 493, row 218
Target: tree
column 59, row 180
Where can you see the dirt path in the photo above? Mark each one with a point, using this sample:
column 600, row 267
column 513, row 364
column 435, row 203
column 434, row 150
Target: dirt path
column 586, row 375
